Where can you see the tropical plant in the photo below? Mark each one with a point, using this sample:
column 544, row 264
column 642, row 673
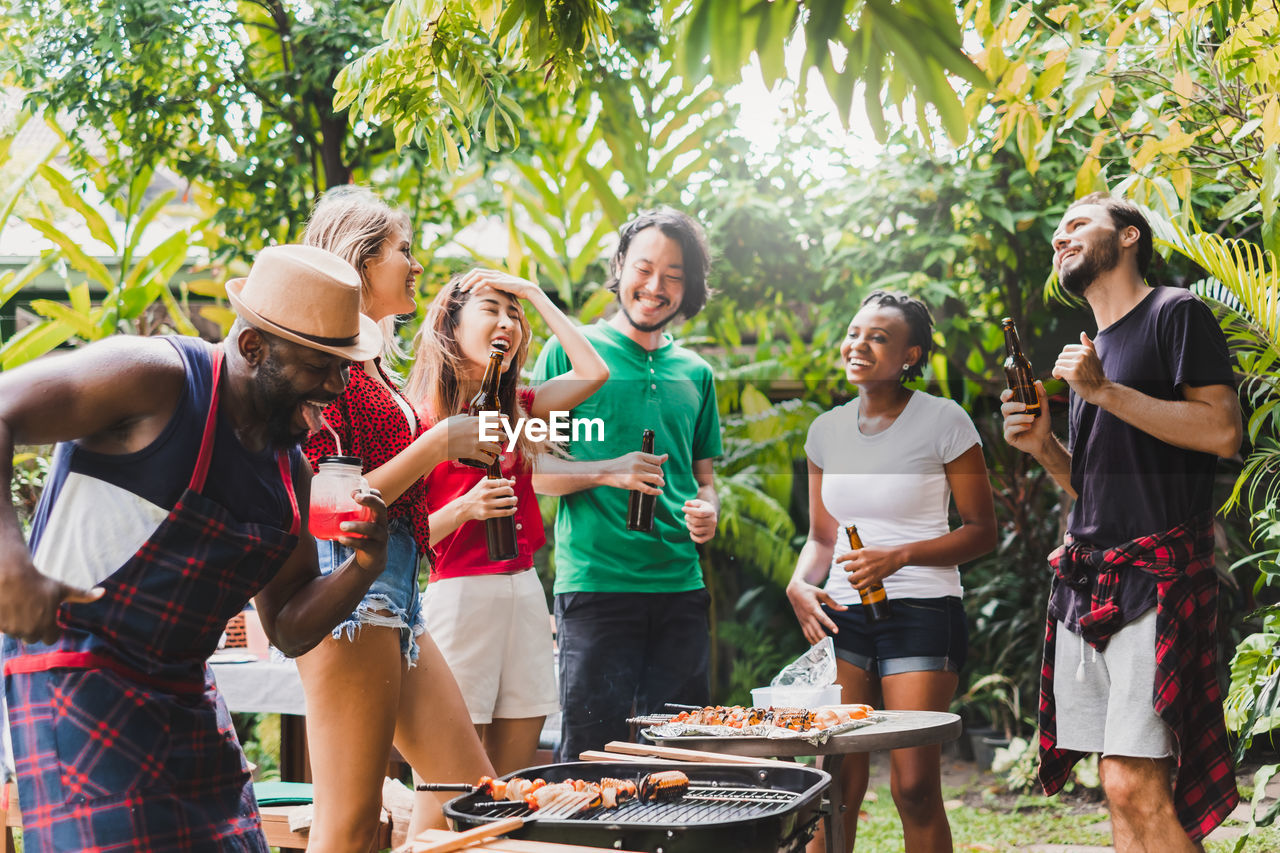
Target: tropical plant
column 235, row 98
column 139, row 278
column 443, row 68
column 905, row 54
column 1199, row 83
column 902, row 52
column 998, row 697
column 1243, row 279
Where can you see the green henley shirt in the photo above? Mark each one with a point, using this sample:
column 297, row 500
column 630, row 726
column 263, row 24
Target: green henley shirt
column 670, row 390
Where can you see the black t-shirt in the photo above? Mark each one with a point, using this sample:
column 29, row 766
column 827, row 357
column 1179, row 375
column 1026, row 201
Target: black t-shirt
column 1130, row 483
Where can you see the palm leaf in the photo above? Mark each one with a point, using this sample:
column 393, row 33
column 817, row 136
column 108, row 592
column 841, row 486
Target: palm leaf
column 1245, row 281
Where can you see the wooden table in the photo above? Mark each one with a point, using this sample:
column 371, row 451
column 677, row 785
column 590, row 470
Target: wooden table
column 899, row 729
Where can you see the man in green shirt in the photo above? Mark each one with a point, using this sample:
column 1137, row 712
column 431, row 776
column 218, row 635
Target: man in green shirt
column 631, row 608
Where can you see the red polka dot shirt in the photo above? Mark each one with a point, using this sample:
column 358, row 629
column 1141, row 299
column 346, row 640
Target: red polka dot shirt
column 372, row 425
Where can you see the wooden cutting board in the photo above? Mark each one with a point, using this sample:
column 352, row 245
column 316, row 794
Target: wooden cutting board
column 431, row 837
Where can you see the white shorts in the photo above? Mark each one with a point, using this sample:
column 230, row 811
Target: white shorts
column 1104, row 700
column 495, row 633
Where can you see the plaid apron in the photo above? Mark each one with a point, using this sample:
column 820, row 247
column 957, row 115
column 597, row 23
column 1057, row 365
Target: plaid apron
column 121, row 739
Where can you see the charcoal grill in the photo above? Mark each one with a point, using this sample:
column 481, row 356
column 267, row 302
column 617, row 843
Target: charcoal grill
column 733, row 808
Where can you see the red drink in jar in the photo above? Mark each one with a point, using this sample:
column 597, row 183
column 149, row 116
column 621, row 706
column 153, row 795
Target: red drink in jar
column 326, row 522
column 332, row 496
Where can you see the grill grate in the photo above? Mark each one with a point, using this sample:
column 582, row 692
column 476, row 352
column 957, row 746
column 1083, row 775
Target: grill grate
column 701, row 805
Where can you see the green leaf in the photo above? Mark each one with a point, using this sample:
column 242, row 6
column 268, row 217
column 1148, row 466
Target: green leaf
column 728, row 52
column 144, row 219
column 13, row 282
column 491, row 131
column 33, row 342
column 771, row 40
column 1246, row 130
column 162, row 262
column 1083, row 99
column 79, row 298
column 138, row 191
column 696, row 46
column 67, row 193
column 593, row 249
column 82, row 324
column 1261, row 417
column 613, row 208
column 1240, row 204
column 16, row 189
column 553, row 269
column 543, row 184
column 451, row 156
column 76, row 256
column 1270, row 199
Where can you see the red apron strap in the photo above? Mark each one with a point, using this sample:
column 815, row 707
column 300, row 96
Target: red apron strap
column 43, row 662
column 210, row 428
column 286, row 474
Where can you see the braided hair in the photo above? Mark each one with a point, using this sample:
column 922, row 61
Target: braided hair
column 919, row 321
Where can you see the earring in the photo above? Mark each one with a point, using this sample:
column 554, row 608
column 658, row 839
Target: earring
column 906, row 367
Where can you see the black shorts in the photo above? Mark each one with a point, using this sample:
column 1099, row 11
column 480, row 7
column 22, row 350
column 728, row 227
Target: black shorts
column 922, row 635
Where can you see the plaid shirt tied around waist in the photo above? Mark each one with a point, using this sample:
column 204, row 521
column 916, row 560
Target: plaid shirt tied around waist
column 1186, row 693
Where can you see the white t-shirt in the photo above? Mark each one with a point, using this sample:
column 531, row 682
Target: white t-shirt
column 892, row 485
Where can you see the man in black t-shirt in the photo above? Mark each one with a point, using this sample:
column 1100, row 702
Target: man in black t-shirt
column 1152, row 406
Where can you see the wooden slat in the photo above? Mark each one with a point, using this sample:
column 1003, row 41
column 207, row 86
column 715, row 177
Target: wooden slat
column 275, row 826
column 500, row 845
column 671, row 753
column 594, row 755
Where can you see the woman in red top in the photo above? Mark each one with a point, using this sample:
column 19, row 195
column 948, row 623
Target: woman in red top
column 490, row 619
column 379, row 679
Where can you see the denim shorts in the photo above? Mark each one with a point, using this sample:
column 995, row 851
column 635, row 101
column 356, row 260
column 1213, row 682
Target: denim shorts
column 921, row 635
column 395, row 591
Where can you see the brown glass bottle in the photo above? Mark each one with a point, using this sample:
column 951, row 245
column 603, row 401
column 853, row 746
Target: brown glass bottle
column 486, row 399
column 500, row 532
column 1017, row 370
column 640, row 506
column 873, row 598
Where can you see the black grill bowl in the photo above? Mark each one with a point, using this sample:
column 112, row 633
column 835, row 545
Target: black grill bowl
column 670, row 828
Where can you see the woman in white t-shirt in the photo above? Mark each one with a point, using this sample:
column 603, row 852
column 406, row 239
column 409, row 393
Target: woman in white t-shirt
column 890, row 461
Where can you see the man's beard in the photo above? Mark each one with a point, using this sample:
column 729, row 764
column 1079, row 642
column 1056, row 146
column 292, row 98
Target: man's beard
column 1101, row 258
column 645, row 327
column 277, row 399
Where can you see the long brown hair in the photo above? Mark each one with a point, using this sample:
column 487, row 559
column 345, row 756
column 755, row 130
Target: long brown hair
column 434, row 386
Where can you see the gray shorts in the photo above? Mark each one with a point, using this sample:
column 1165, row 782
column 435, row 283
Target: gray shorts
column 1104, row 699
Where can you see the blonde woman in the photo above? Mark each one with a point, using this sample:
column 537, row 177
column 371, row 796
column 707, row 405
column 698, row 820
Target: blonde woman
column 379, row 679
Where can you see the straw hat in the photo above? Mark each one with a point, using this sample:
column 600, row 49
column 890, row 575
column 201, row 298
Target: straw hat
column 309, row 296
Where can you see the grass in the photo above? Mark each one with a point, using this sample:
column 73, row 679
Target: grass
column 1008, row 826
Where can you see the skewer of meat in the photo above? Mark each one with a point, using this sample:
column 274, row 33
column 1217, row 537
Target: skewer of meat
column 663, row 786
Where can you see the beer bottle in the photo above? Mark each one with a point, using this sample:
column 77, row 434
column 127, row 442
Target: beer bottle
column 486, row 399
column 640, row 506
column 873, row 598
column 500, row 531
column 1022, row 380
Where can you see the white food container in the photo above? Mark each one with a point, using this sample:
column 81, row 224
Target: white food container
column 796, row 697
